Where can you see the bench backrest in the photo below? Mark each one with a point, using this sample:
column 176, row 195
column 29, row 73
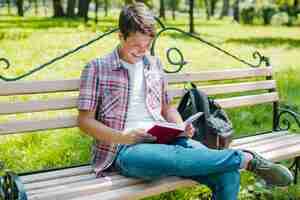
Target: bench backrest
column 241, row 81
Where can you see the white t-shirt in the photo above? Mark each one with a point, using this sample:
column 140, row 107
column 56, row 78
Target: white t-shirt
column 138, row 115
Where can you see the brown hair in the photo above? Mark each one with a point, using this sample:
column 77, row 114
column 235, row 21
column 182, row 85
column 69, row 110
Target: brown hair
column 136, row 18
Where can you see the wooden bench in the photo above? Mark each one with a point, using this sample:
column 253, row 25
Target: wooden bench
column 80, row 182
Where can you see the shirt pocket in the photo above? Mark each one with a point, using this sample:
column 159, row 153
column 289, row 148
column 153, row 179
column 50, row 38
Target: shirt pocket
column 111, row 101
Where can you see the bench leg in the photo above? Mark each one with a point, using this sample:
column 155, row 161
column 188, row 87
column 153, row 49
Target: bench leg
column 296, row 168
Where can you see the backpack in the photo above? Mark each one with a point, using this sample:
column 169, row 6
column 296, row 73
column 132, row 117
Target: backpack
column 11, row 187
column 213, row 128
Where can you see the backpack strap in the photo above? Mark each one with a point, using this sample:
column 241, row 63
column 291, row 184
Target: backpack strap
column 200, row 100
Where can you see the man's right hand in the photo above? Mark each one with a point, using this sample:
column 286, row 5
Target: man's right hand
column 137, row 136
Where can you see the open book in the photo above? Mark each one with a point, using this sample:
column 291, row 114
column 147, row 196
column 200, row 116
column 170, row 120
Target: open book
column 165, row 132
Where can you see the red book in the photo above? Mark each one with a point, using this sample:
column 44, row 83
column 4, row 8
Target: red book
column 165, row 132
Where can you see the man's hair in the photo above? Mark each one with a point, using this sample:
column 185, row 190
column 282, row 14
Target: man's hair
column 136, row 18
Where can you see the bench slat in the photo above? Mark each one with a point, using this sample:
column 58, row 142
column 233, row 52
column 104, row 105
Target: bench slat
column 284, row 153
column 266, row 141
column 37, row 106
column 219, row 75
column 96, row 186
column 34, row 87
column 255, row 138
column 140, row 191
column 228, row 88
column 56, row 174
column 38, row 87
column 248, row 100
column 78, row 181
column 280, row 143
column 71, row 103
column 22, row 126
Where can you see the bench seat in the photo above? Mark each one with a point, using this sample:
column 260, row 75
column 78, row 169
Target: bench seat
column 80, row 182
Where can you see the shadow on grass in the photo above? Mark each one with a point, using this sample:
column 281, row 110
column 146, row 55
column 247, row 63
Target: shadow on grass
column 267, row 41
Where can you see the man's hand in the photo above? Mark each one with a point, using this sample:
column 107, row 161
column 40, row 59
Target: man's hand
column 136, row 136
column 189, row 130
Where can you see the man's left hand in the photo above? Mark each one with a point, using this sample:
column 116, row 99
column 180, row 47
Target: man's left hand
column 189, row 130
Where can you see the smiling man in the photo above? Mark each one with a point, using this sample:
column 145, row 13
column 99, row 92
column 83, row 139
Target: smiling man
column 126, row 91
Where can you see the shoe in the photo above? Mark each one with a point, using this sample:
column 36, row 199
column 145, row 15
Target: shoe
column 273, row 174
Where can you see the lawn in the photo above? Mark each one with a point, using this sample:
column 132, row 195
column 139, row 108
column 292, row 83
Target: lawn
column 32, row 41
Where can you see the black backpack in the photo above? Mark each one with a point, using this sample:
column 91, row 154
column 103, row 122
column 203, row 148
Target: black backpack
column 213, row 128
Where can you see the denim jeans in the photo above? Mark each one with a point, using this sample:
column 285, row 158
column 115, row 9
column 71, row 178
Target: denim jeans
column 218, row 169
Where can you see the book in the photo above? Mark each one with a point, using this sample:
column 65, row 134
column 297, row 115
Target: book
column 165, row 132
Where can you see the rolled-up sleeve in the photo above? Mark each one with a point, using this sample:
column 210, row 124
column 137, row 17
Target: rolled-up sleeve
column 88, row 89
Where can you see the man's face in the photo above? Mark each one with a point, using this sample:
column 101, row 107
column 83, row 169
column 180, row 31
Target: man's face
column 134, row 47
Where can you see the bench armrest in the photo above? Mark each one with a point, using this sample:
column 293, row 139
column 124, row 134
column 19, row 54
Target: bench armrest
column 282, row 122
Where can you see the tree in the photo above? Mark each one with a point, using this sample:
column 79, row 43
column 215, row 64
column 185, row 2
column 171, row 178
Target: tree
column 83, row 8
column 36, row 10
column 20, row 7
column 207, row 9
column 58, row 9
column 173, row 4
column 8, row 6
column 71, row 8
column 96, row 10
column 162, row 13
column 236, row 10
column 213, row 4
column 225, row 9
column 191, row 13
column 106, row 7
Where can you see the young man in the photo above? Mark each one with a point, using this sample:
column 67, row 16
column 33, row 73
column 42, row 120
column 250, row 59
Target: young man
column 125, row 91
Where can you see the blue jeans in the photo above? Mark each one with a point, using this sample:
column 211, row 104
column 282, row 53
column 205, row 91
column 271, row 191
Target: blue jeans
column 218, row 169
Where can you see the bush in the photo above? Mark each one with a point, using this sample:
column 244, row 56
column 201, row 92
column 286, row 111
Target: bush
column 247, row 12
column 280, row 19
column 267, row 12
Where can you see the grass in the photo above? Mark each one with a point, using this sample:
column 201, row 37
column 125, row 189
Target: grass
column 32, row 41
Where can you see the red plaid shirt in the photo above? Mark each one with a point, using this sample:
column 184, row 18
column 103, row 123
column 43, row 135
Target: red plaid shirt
column 104, row 88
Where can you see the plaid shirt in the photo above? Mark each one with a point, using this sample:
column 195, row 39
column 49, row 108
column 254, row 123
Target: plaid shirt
column 104, row 89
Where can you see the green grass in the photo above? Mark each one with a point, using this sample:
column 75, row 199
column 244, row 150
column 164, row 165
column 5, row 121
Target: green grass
column 32, row 41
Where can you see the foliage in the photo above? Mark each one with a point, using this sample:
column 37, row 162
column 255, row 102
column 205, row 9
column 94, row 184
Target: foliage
column 280, row 19
column 247, row 12
column 268, row 10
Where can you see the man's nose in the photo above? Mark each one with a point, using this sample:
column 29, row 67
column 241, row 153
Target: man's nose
column 143, row 50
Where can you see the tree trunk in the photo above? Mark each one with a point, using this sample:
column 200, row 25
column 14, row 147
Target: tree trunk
column 36, row 9
column 213, row 7
column 295, row 8
column 173, row 13
column 83, row 9
column 191, row 13
column 106, row 7
column 71, row 8
column 236, row 10
column 45, row 7
column 225, row 9
column 207, row 9
column 58, row 9
column 162, row 13
column 8, row 6
column 96, row 10
column 20, row 7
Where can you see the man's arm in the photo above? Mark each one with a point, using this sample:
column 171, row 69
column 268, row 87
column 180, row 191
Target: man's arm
column 96, row 129
column 171, row 114
column 99, row 131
